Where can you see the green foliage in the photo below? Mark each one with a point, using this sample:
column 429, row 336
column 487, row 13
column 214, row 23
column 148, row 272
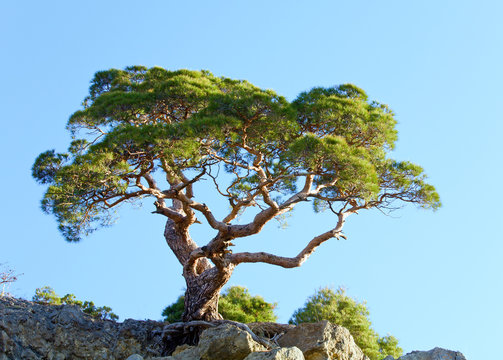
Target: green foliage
column 46, row 295
column 388, row 345
column 140, row 120
column 174, row 312
column 343, row 310
column 235, row 304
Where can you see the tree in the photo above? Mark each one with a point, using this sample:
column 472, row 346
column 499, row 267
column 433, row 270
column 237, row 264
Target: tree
column 152, row 133
column 235, row 304
column 340, row 309
column 7, row 277
column 47, row 295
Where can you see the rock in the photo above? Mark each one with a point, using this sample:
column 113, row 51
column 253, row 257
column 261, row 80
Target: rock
column 434, row 354
column 223, row 342
column 269, row 329
column 181, row 348
column 135, row 357
column 290, row 353
column 190, row 353
column 34, row 331
column 323, row 341
column 226, row 342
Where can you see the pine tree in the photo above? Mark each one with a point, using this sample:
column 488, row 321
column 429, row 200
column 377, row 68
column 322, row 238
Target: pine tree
column 152, row 133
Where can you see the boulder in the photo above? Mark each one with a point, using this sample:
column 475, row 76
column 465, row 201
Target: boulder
column 434, row 354
column 135, row 357
column 290, row 353
column 226, row 342
column 269, row 329
column 323, row 341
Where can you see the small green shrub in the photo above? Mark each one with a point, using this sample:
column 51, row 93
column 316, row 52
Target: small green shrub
column 47, row 295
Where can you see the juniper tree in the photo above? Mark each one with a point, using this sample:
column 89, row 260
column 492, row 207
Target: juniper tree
column 152, row 133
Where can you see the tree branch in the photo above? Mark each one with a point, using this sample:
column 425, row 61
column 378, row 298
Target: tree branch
column 290, row 262
column 267, row 214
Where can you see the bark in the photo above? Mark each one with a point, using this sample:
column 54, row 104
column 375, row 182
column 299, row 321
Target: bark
column 179, row 241
column 204, row 281
column 203, row 292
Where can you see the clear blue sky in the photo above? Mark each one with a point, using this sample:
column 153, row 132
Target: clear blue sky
column 430, row 279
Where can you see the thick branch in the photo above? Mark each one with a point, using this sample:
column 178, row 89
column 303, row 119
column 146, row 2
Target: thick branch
column 162, row 209
column 290, row 262
column 203, row 208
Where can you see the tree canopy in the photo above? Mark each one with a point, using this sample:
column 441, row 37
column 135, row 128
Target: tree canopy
column 236, row 303
column 153, row 133
column 340, row 309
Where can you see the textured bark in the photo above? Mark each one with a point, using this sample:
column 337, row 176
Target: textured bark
column 203, row 292
column 203, row 280
column 179, row 241
column 290, row 262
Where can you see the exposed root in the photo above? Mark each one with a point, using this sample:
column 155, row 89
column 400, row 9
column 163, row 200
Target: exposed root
column 180, row 333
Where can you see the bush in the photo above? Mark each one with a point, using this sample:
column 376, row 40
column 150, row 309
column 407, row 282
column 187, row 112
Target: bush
column 47, row 295
column 235, row 304
column 340, row 309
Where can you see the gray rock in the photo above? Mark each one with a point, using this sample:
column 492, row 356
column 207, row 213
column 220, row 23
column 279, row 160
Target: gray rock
column 135, row 357
column 189, row 353
column 33, row 331
column 181, row 348
column 226, row 342
column 290, row 353
column 269, row 329
column 323, row 341
column 223, row 342
column 434, row 354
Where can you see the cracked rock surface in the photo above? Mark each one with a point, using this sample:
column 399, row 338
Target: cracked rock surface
column 32, row 331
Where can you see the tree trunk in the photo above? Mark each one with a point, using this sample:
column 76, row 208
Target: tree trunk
column 203, row 286
column 203, row 292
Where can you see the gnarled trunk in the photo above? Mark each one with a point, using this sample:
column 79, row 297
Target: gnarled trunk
column 203, row 286
column 203, row 293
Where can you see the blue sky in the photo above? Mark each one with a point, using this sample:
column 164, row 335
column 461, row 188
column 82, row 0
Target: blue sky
column 430, row 279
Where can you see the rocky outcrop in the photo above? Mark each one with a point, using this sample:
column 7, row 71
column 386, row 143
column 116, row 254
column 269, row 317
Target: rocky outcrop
column 434, row 354
column 290, row 353
column 323, row 341
column 32, row 331
column 219, row 343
